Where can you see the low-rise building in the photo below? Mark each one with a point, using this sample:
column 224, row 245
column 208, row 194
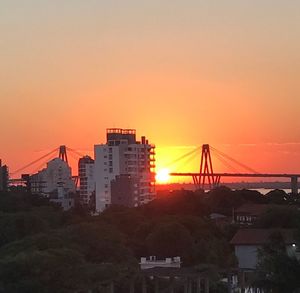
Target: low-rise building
column 247, row 242
column 153, row 262
column 247, row 214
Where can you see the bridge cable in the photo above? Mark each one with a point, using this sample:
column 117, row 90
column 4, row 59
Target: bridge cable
column 34, row 162
column 233, row 160
column 75, row 152
column 44, row 163
column 183, row 156
column 187, row 160
column 225, row 163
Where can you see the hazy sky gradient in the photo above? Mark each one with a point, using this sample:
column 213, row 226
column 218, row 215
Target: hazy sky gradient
column 181, row 72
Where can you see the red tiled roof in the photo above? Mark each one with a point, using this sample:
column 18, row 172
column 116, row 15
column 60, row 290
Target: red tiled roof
column 260, row 236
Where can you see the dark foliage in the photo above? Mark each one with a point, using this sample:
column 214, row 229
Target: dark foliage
column 277, row 271
column 277, row 196
column 43, row 249
column 279, row 217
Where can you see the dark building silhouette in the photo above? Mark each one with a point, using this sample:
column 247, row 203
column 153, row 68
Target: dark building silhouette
column 124, row 190
column 86, row 181
column 3, row 177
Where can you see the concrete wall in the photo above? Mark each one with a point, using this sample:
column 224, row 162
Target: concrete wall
column 247, row 256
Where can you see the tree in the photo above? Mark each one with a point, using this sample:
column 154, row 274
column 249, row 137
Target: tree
column 279, row 217
column 180, row 202
column 170, row 239
column 54, row 270
column 277, row 272
column 277, row 196
column 223, row 200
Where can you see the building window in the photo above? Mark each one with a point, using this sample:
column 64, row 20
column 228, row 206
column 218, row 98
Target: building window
column 110, row 170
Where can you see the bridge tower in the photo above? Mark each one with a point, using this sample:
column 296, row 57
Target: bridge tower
column 63, row 153
column 206, row 171
column 294, row 184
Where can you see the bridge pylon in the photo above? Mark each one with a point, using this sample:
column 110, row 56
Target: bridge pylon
column 63, row 153
column 206, row 175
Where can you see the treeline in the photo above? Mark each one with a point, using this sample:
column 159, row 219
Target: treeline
column 43, row 249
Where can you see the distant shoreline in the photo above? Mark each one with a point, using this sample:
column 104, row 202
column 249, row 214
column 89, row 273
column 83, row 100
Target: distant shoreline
column 232, row 185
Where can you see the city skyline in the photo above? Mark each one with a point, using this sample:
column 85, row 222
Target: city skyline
column 184, row 162
column 184, row 73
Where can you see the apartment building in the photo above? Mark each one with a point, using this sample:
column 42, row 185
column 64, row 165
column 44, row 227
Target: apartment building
column 124, row 169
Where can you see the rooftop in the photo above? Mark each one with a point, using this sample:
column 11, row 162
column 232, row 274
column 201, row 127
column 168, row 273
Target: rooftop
column 261, row 236
column 120, row 131
column 254, row 209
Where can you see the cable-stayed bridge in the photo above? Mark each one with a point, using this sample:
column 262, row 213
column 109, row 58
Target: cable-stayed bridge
column 206, row 177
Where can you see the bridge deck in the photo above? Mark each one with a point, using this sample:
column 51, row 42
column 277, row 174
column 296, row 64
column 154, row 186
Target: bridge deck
column 239, row 175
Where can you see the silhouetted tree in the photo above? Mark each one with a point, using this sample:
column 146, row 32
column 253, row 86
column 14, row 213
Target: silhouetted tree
column 277, row 196
column 277, row 271
column 170, row 239
column 279, row 217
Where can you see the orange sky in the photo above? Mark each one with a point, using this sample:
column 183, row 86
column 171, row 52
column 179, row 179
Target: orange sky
column 183, row 73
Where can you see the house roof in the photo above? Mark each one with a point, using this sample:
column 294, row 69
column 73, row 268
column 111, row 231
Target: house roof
column 261, row 236
column 215, row 216
column 254, row 209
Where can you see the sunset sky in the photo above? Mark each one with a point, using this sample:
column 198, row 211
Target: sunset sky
column 183, row 73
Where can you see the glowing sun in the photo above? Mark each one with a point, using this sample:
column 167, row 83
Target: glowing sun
column 162, row 176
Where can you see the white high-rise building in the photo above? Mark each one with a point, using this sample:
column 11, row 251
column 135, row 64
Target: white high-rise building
column 124, row 170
